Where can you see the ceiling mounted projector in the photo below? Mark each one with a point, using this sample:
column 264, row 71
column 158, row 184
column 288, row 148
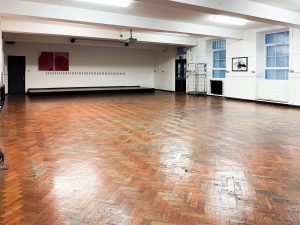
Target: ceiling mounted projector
column 130, row 40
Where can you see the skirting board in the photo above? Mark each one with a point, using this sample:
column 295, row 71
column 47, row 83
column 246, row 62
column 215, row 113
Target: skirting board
column 259, row 101
column 163, row 90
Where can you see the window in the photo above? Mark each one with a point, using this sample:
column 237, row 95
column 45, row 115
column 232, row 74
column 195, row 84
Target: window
column 277, row 56
column 219, row 59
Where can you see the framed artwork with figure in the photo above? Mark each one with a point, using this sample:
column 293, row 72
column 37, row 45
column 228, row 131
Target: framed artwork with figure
column 240, row 64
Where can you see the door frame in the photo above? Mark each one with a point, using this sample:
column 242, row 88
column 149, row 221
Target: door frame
column 182, row 70
column 24, row 79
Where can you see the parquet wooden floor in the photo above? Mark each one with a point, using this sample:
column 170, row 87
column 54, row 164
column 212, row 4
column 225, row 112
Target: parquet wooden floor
column 149, row 160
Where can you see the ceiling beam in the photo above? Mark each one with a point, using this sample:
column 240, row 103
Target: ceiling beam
column 72, row 14
column 243, row 8
column 64, row 40
column 41, row 27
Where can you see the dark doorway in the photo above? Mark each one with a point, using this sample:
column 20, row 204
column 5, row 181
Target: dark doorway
column 180, row 85
column 16, row 74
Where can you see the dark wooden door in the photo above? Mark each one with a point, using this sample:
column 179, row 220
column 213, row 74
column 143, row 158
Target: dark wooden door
column 16, row 74
column 180, row 78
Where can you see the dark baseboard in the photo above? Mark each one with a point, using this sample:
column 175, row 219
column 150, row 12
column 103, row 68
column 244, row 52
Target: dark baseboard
column 87, row 90
column 164, row 90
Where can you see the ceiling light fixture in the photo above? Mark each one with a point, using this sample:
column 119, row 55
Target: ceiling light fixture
column 119, row 3
column 176, row 34
column 229, row 20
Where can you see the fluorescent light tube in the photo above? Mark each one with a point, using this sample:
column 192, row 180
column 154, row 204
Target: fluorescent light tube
column 120, row 3
column 175, row 34
column 229, row 20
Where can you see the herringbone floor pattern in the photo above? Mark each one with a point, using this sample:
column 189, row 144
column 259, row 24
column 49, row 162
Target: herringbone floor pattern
column 149, row 160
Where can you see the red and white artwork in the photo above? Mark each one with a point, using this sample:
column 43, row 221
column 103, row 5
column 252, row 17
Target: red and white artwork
column 46, row 61
column 54, row 61
column 61, row 61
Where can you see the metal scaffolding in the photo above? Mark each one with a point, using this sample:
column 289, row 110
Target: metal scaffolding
column 197, row 78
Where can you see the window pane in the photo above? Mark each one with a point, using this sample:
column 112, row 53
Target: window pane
column 287, row 50
column 277, row 74
column 282, row 74
column 271, row 62
column 282, row 37
column 287, row 37
column 279, row 50
column 214, row 45
column 222, row 63
column 270, row 38
column 219, row 59
column 220, row 54
column 219, row 73
column 217, row 45
column 282, row 50
column 281, row 61
column 221, row 44
column 223, row 54
column 216, row 63
column 271, row 51
column 270, row 74
column 216, row 55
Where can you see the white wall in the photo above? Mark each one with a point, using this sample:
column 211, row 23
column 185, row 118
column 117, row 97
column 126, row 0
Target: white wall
column 294, row 81
column 137, row 64
column 164, row 76
column 241, row 84
column 271, row 90
column 252, row 85
column 236, row 84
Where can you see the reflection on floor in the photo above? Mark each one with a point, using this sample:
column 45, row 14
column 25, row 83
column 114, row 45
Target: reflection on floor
column 149, row 159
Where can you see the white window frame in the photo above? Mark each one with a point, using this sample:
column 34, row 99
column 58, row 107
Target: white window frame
column 216, row 50
column 266, row 55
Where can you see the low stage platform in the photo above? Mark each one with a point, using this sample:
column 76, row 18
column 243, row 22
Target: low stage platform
column 88, row 90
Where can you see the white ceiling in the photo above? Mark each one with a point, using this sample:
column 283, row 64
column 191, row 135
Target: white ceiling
column 152, row 10
column 151, row 20
column 286, row 4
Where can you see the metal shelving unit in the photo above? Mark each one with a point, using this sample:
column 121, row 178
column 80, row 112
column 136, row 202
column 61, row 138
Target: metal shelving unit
column 197, row 79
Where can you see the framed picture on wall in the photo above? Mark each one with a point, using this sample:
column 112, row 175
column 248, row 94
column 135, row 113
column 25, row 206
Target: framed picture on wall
column 240, row 64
